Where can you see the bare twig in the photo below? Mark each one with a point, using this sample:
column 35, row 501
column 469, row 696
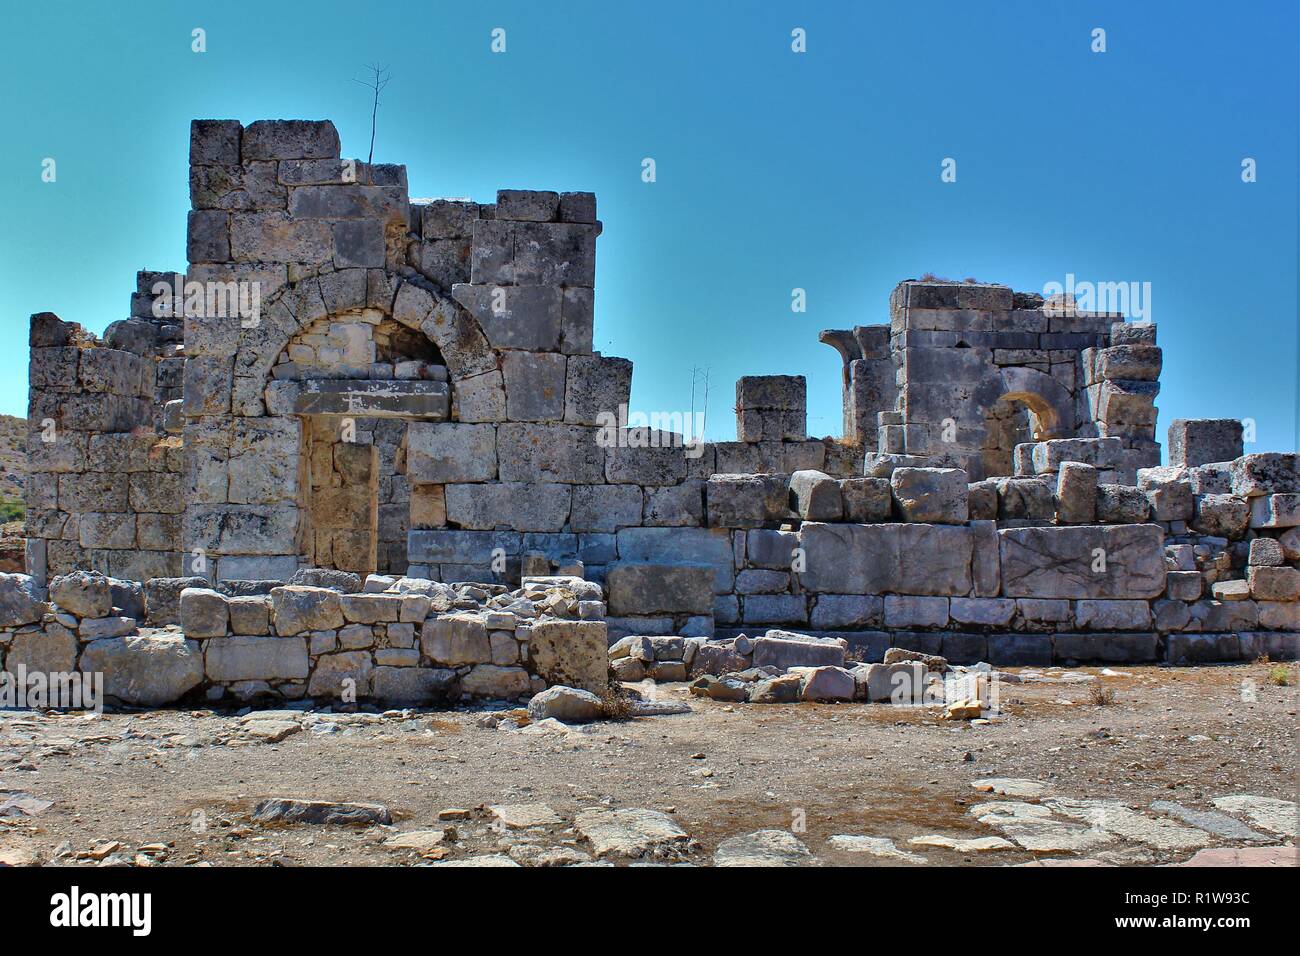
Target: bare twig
column 376, row 84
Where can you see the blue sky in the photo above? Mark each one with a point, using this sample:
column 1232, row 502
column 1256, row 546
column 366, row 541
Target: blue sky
column 776, row 170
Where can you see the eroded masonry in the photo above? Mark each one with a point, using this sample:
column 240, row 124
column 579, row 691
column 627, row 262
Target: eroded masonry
column 353, row 400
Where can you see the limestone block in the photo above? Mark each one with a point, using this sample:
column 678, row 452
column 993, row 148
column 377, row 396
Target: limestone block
column 846, row 611
column 605, row 507
column 1290, row 541
column 289, row 139
column 1090, row 561
column 203, row 612
column 576, row 321
column 1076, row 493
column 441, row 452
column 207, row 387
column 827, row 684
column 1112, row 615
column 815, row 496
column 1280, row 615
column 675, row 506
column 917, row 559
column 83, row 593
column 456, row 639
column 647, row 589
column 1108, row 649
column 577, row 207
column 208, row 236
column 1271, row 473
column 447, row 218
column 991, row 612
column 596, row 387
column 1266, row 553
column 567, row 454
column 901, row 682
column 906, row 610
column 515, row 317
column 643, row 456
column 1041, row 611
column 572, row 653
column 1170, row 615
column 371, row 608
column 682, row 546
column 521, row 506
column 1223, row 516
column 480, row 398
column 491, row 680
column 1136, row 362
column 759, row 581
column 256, row 658
column 866, row 499
column 931, row 495
column 214, row 142
column 162, row 598
column 786, row 649
column 1274, row 584
column 411, row 685
column 774, row 609
column 982, row 500
column 535, row 384
column 1169, row 493
column 771, row 549
column 783, row 392
column 1183, row 585
column 241, row 529
column 296, row 609
column 527, row 205
column 1121, row 504
column 746, row 501
column 1199, row 441
column 1275, row 511
column 336, row 674
column 47, row 652
column 94, row 628
column 451, row 546
column 250, row 614
column 275, row 237
column 1032, row 498
column 562, row 254
column 20, row 600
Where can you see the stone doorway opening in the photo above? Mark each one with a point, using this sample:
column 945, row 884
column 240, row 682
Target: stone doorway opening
column 341, row 487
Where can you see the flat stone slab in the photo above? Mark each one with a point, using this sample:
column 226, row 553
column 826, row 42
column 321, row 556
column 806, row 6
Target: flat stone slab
column 289, row 810
column 519, row 816
column 763, row 848
column 1245, row 856
column 1123, row 821
column 1010, row 786
column 876, row 846
column 419, row 840
column 491, row 859
column 1037, row 828
column 975, row 845
column 1267, row 813
column 1211, row 821
column 628, row 832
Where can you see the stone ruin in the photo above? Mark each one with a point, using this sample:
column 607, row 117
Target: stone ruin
column 358, row 416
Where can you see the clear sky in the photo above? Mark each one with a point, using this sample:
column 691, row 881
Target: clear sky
column 775, row 170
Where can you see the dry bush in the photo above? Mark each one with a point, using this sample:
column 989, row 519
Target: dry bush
column 1100, row 695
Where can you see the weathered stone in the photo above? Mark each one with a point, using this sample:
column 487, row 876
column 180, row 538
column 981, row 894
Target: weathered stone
column 637, row 588
column 630, row 832
column 411, row 685
column 815, row 496
column 296, row 609
column 746, row 501
column 83, row 593
column 1271, row 473
column 442, row 452
column 827, row 683
column 866, row 499
column 1113, row 615
column 148, row 669
column 1275, row 511
column 1199, row 441
column 1223, row 516
column 572, row 653
column 763, row 848
column 320, row 812
column 42, row 652
column 162, row 598
column 1083, row 562
column 931, row 495
column 567, row 704
column 876, row 559
column 784, row 649
column 491, row 680
column 256, row 658
column 203, row 612
column 1076, row 493
column 1121, row 504
column 20, row 601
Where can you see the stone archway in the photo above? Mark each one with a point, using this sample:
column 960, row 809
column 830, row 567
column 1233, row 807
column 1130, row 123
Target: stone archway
column 1018, row 405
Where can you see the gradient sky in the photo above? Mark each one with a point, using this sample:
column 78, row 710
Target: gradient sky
column 776, row 170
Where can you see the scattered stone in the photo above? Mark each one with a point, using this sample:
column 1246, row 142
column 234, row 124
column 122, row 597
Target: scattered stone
column 876, row 846
column 1010, row 786
column 630, row 832
column 763, row 848
column 976, row 845
column 1267, row 813
column 520, row 816
column 290, row 810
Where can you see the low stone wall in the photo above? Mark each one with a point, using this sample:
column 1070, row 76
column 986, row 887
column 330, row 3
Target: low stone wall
column 404, row 641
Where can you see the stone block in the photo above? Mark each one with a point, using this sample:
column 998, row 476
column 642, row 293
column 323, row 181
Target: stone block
column 83, row 593
column 784, row 649
column 682, row 546
column 917, row 559
column 1183, row 585
column 595, row 389
column 827, row 684
column 767, row 548
column 1121, row 504
column 1120, row 561
column 145, row 670
column 1076, row 493
column 1271, row 473
column 990, row 612
column 840, row 611
column 342, row 673
column 1112, row 615
column 455, row 640
column 572, row 653
column 1274, row 584
column 535, row 384
column 288, row 139
column 256, row 658
column 1275, row 511
column 513, row 505
column 815, row 496
column 1105, row 648
column 566, row 454
column 411, row 685
column 647, row 589
column 746, row 501
column 296, row 609
column 759, row 581
column 905, row 610
column 1026, row 498
column 782, row 392
column 214, row 142
column 20, row 600
column 644, row 456
column 931, row 495
column 1222, row 516
column 866, row 500
column 605, row 507
column 527, row 205
column 502, row 683
column 774, row 609
column 443, row 452
column 675, row 506
column 1169, row 493
column 578, row 207
column 1199, row 441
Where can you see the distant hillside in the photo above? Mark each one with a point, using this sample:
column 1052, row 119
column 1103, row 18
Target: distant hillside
column 13, row 462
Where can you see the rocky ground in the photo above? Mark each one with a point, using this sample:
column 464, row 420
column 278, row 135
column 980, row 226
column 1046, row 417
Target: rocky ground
column 1207, row 754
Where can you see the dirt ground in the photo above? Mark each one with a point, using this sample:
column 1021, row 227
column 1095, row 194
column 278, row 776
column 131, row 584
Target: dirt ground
column 179, row 787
